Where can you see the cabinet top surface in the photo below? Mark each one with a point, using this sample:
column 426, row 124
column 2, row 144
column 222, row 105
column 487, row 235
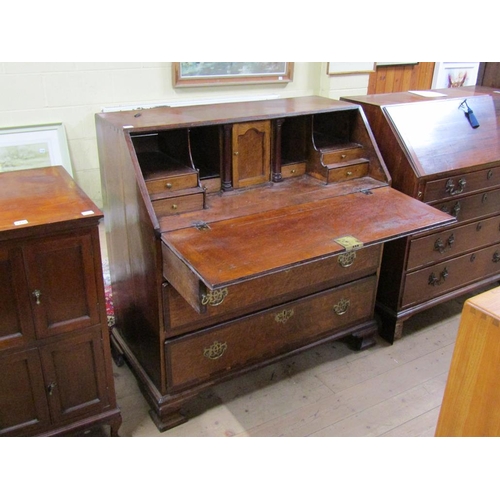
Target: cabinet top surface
column 37, row 197
column 414, row 96
column 166, row 116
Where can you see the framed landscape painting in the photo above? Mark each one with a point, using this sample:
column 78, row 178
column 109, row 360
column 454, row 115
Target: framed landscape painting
column 33, row 147
column 195, row 74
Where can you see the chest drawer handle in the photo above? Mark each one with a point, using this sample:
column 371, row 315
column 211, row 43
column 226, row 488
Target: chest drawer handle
column 450, row 187
column 434, row 280
column 454, row 211
column 346, row 259
column 440, row 247
column 168, row 185
column 214, row 297
column 489, row 175
column 341, row 307
column 215, row 351
column 496, row 257
column 283, row 316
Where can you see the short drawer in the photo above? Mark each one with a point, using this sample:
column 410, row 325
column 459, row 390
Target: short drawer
column 293, row 170
column 457, row 185
column 171, row 183
column 440, row 246
column 473, row 206
column 342, row 155
column 235, row 344
column 178, row 204
column 438, row 279
column 347, row 171
column 262, row 292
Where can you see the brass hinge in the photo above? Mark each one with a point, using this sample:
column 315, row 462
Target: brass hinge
column 201, row 226
column 349, row 243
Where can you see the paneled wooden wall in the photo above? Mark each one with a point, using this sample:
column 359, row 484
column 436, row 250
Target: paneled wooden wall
column 489, row 74
column 399, row 78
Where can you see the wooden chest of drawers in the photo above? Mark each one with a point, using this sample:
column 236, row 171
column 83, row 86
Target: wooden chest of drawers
column 434, row 155
column 278, row 248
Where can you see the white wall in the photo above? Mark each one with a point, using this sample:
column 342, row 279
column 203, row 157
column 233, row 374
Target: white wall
column 72, row 93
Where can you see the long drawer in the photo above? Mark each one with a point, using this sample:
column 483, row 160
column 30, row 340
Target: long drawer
column 438, row 279
column 272, row 289
column 203, row 355
column 473, row 206
column 468, row 182
column 443, row 245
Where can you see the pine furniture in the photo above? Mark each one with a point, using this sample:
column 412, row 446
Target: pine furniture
column 471, row 406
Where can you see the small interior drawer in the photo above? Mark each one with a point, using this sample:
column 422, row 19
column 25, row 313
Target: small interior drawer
column 342, row 155
column 170, row 183
column 177, row 204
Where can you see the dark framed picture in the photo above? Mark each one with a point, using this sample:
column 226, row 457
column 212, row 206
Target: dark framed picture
column 195, row 74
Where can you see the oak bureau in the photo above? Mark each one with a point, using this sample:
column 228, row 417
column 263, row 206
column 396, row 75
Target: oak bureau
column 434, row 153
column 240, row 233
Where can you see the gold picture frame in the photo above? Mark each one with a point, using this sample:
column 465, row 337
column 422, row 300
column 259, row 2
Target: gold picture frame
column 199, row 74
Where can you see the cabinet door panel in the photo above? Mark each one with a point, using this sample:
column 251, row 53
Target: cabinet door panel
column 251, row 153
column 23, row 405
column 74, row 373
column 16, row 325
column 62, row 284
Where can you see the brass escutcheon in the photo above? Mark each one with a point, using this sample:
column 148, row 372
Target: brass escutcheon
column 214, row 297
column 283, row 316
column 347, row 259
column 342, row 306
column 215, row 351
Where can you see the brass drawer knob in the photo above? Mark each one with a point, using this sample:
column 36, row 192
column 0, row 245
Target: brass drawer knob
column 168, row 185
column 215, row 351
column 174, row 207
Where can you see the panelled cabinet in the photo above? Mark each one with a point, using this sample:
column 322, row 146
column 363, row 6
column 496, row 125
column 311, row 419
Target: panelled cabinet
column 55, row 369
column 241, row 233
column 434, row 154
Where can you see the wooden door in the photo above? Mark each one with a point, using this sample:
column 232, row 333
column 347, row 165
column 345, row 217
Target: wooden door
column 16, row 325
column 23, row 403
column 62, row 284
column 74, row 372
column 251, row 153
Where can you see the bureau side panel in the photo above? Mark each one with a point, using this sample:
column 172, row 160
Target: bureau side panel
column 133, row 250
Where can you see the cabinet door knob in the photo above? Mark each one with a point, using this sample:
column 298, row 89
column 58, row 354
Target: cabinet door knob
column 37, row 294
